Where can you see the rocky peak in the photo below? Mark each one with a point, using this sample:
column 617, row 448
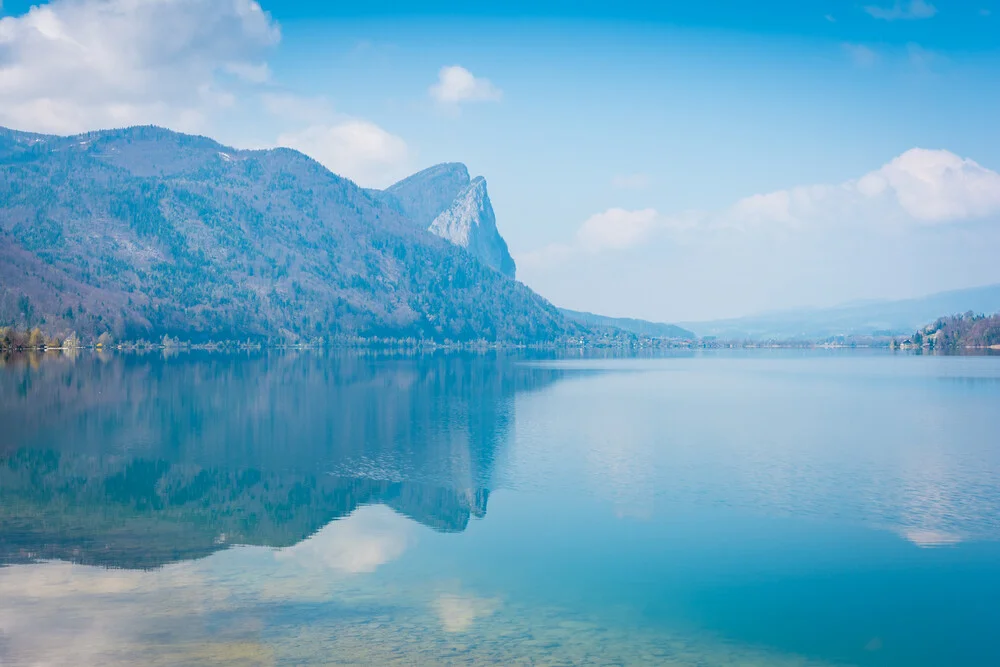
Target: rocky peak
column 470, row 223
column 425, row 194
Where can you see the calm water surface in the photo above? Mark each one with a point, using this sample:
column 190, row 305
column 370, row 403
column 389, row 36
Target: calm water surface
column 714, row 509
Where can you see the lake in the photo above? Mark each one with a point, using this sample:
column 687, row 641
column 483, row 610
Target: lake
column 712, row 508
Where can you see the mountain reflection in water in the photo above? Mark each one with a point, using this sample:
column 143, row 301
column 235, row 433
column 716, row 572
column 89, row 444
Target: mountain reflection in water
column 717, row 508
column 138, row 461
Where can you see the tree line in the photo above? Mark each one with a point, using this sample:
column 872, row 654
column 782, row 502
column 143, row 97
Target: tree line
column 15, row 339
column 969, row 330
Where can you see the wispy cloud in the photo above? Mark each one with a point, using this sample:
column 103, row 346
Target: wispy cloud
column 922, row 58
column 457, row 85
column 860, row 55
column 249, row 72
column 616, row 229
column 630, row 181
column 297, row 108
column 913, row 9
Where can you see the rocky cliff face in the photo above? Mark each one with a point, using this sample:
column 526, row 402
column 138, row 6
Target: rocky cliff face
column 425, row 194
column 445, row 201
column 470, row 223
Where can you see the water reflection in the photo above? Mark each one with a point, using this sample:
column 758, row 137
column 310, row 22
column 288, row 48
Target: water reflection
column 727, row 510
column 903, row 445
column 134, row 462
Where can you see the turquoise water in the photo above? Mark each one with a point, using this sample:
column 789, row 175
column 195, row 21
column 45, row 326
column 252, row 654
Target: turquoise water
column 751, row 508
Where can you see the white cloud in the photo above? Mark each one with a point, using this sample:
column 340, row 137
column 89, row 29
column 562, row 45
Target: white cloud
column 351, row 147
column 616, row 229
column 456, row 85
column 938, row 186
column 762, row 209
column 74, row 65
column 860, row 55
column 630, row 181
column 913, row 9
column 917, row 189
column 77, row 65
column 355, row 148
column 920, row 187
column 613, row 229
column 249, row 72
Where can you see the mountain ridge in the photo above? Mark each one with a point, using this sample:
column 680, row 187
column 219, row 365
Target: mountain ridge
column 882, row 317
column 143, row 231
column 632, row 325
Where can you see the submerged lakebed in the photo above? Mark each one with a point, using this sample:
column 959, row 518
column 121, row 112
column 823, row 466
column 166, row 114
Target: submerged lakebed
column 708, row 508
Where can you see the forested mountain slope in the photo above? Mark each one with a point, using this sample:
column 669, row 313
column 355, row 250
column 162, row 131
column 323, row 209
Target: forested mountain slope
column 144, row 232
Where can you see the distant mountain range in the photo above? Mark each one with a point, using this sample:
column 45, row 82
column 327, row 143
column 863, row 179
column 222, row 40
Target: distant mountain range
column 143, row 232
column 638, row 327
column 869, row 318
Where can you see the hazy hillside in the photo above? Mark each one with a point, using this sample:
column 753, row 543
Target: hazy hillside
column 901, row 317
column 638, row 327
column 144, row 231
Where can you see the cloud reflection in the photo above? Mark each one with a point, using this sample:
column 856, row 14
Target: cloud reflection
column 370, row 537
column 457, row 613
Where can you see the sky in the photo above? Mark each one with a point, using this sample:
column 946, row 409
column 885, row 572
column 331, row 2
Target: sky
column 671, row 161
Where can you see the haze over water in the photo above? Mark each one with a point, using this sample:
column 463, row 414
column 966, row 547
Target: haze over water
column 771, row 508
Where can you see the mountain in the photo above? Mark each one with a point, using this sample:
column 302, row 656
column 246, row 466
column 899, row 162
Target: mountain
column 444, row 200
column 144, row 232
column 871, row 318
column 426, row 194
column 638, row 327
column 471, row 224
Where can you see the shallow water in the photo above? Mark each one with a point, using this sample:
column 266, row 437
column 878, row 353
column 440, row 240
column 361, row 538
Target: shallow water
column 771, row 508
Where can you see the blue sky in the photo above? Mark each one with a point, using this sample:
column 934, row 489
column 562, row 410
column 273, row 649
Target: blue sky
column 623, row 143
